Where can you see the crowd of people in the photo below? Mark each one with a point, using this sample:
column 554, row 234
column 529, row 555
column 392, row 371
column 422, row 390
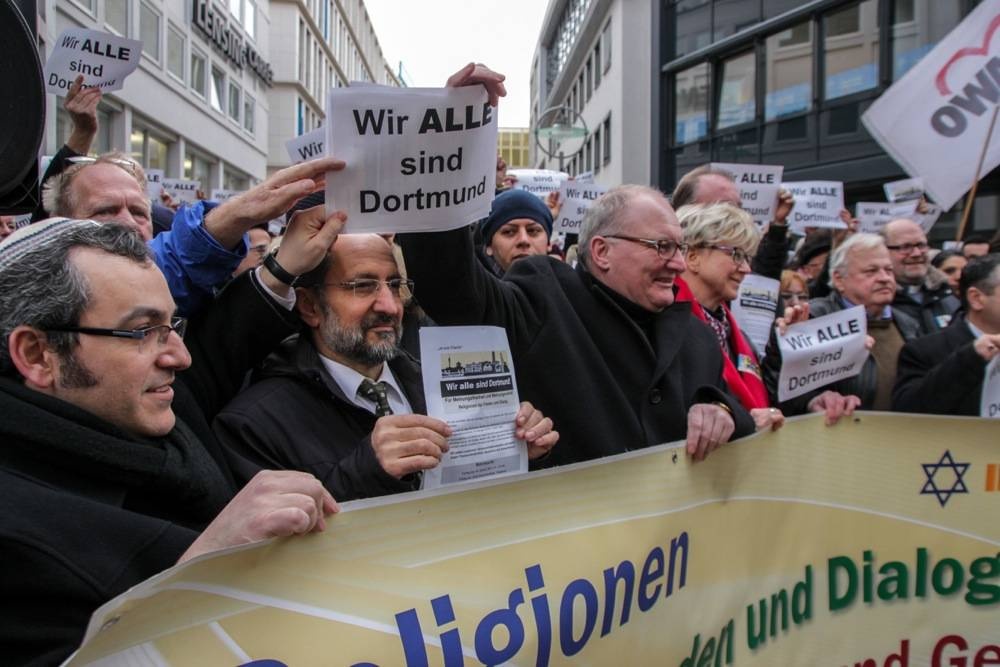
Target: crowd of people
column 175, row 387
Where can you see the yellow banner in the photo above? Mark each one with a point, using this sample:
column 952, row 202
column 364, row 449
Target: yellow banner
column 875, row 540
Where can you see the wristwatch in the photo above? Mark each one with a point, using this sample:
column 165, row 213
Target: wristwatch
column 271, row 264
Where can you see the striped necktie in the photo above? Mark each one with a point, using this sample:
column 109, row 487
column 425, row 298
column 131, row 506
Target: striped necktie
column 376, row 393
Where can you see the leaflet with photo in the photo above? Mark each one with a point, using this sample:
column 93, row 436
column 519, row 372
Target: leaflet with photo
column 754, row 308
column 822, row 351
column 990, row 402
column 469, row 383
column 904, row 190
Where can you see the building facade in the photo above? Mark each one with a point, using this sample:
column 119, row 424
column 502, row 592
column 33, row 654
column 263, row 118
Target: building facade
column 514, row 145
column 317, row 45
column 786, row 82
column 594, row 57
column 193, row 108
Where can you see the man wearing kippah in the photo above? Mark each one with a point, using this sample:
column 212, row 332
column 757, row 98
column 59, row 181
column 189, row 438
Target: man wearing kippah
column 519, row 226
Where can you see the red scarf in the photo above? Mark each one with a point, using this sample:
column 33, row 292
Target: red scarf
column 744, row 383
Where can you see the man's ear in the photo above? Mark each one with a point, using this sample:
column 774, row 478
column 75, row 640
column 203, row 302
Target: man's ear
column 975, row 298
column 33, row 358
column 308, row 307
column 599, row 248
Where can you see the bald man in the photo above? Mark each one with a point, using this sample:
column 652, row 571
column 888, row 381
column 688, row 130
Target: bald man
column 922, row 291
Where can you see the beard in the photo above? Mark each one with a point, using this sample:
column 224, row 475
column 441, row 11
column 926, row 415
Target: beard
column 352, row 342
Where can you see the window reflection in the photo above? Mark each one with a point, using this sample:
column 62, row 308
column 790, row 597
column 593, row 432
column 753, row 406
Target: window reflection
column 691, row 95
column 789, row 72
column 851, row 50
column 917, row 26
column 737, row 103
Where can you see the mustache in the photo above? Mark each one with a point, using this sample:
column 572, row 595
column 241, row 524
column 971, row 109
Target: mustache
column 379, row 319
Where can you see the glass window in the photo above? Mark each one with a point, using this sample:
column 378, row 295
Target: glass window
column 250, row 19
column 737, row 100
column 198, row 168
column 234, row 8
column 732, row 16
column 149, row 31
column 606, row 131
column 588, row 150
column 86, row 4
column 691, row 99
column 917, row 26
column 773, row 8
column 235, row 101
column 156, row 152
column 606, row 46
column 851, row 50
column 248, row 113
column 597, row 150
column 175, row 52
column 789, row 66
column 692, row 25
column 235, row 180
column 597, row 65
column 116, row 16
column 589, row 78
column 198, row 73
column 217, row 91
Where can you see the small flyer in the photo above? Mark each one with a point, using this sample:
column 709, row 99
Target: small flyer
column 989, row 405
column 103, row 59
column 759, row 185
column 469, row 383
column 817, row 204
column 220, row 195
column 576, row 199
column 873, row 216
column 754, row 308
column 822, row 351
column 182, row 189
column 154, row 183
column 538, row 181
column 904, row 190
column 308, row 146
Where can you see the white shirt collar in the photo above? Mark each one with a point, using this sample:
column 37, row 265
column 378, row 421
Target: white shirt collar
column 349, row 380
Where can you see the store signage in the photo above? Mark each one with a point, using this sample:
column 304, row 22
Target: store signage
column 213, row 22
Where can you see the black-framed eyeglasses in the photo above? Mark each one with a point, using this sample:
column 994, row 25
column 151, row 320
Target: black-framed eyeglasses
column 907, row 248
column 665, row 248
column 177, row 325
column 738, row 255
column 365, row 288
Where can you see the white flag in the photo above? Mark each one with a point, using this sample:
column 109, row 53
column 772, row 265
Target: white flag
column 935, row 119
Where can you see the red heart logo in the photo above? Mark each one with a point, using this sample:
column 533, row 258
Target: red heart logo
column 941, row 79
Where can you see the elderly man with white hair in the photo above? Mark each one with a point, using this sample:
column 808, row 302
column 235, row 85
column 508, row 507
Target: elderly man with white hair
column 861, row 274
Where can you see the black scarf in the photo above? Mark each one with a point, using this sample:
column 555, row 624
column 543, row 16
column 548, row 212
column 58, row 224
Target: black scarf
column 173, row 477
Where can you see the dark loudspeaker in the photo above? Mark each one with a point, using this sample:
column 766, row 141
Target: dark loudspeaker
column 22, row 108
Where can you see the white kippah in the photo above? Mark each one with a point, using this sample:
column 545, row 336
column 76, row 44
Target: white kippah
column 36, row 235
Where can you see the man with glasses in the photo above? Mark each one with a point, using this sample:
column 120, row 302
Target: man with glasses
column 109, row 471
column 205, row 243
column 922, row 292
column 599, row 348
column 342, row 400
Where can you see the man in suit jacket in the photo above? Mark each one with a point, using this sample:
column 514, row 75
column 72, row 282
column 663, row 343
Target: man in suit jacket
column 943, row 373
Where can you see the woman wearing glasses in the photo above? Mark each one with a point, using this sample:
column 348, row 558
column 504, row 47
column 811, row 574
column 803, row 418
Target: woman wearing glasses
column 721, row 240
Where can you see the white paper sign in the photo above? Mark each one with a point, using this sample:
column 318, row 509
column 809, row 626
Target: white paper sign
column 576, row 198
column 221, row 195
column 930, row 216
column 103, row 59
column 759, row 185
column 935, row 119
column 182, row 189
column 822, row 351
column 154, row 184
column 584, row 177
column 469, row 383
column 904, row 190
column 817, row 204
column 873, row 216
column 989, row 405
column 308, row 146
column 754, row 308
column 421, row 159
column 537, row 181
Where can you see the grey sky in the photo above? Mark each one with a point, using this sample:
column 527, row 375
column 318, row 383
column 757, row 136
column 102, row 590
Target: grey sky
column 435, row 38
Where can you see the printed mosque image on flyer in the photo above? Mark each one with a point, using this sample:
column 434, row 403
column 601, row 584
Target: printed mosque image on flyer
column 471, row 364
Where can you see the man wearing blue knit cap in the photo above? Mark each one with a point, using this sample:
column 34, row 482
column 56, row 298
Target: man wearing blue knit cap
column 519, row 226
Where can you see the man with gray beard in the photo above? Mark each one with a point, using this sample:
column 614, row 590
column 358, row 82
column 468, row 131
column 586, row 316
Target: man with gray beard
column 342, row 400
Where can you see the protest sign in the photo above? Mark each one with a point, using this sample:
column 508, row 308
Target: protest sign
column 990, row 402
column 754, row 308
column 22, row 221
column 308, row 146
column 935, row 120
column 420, row 159
column 584, row 177
column 904, row 190
column 469, row 383
column 759, row 185
column 154, row 183
column 103, row 59
column 822, row 351
column 873, row 216
column 575, row 198
column 817, row 204
column 182, row 189
column 926, row 220
column 537, row 181
column 810, row 545
column 221, row 195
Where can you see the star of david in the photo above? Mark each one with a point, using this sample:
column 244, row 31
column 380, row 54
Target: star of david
column 932, row 486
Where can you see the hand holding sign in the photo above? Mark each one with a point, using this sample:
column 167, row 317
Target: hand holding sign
column 478, row 73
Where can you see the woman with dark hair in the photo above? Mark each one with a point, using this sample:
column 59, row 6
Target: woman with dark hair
column 950, row 263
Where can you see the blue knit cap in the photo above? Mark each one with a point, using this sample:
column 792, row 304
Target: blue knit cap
column 514, row 204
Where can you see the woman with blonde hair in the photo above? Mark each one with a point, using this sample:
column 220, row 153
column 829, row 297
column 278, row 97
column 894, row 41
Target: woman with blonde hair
column 721, row 241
